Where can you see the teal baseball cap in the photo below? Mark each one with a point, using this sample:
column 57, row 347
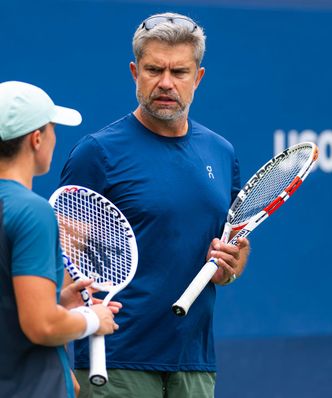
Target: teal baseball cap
column 25, row 108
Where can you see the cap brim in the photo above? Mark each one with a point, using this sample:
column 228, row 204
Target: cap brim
column 66, row 116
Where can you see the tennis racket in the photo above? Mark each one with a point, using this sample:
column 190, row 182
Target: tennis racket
column 262, row 195
column 98, row 242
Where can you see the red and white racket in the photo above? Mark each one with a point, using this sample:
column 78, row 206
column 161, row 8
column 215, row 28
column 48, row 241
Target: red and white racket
column 262, row 195
column 98, row 242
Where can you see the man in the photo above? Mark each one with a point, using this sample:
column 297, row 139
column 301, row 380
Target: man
column 34, row 321
column 174, row 180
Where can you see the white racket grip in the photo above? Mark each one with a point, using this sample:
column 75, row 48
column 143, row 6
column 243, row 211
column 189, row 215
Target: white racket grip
column 98, row 372
column 226, row 232
column 182, row 305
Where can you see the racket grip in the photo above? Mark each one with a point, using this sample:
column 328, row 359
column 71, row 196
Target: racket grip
column 98, row 372
column 182, row 305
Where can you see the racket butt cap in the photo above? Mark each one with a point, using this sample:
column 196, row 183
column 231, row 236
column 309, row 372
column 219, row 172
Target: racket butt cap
column 98, row 380
column 179, row 311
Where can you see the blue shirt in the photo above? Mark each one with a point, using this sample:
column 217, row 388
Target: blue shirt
column 29, row 245
column 175, row 193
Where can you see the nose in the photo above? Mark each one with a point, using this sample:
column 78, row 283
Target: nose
column 166, row 81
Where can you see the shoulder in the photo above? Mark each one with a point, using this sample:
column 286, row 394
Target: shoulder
column 25, row 211
column 213, row 137
column 36, row 205
column 32, row 206
column 93, row 155
column 113, row 129
column 115, row 126
column 22, row 200
column 100, row 139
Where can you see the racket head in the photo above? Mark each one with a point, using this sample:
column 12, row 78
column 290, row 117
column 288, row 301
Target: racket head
column 272, row 184
column 96, row 236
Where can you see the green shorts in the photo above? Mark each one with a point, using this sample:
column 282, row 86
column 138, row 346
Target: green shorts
column 124, row 383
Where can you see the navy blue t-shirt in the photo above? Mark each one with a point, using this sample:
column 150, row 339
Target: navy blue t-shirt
column 175, row 193
column 29, row 245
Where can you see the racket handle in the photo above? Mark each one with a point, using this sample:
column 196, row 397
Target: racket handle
column 182, row 305
column 98, row 372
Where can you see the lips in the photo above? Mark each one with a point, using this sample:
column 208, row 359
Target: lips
column 164, row 98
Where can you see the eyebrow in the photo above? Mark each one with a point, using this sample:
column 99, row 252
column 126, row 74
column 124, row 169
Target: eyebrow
column 174, row 69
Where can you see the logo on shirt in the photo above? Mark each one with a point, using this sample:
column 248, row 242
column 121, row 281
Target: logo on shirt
column 210, row 172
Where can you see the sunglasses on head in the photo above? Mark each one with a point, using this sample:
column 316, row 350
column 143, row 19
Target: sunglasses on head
column 151, row 22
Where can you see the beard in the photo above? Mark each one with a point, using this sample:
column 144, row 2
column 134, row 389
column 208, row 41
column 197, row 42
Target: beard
column 163, row 112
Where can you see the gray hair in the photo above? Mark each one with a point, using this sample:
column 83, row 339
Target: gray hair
column 171, row 34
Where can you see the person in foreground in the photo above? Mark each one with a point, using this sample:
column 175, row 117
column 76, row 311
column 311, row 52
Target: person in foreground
column 36, row 318
column 174, row 179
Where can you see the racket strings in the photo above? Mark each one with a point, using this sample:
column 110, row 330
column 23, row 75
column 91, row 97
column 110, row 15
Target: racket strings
column 94, row 238
column 269, row 182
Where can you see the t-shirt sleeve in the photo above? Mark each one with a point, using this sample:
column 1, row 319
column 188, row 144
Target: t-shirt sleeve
column 35, row 241
column 85, row 166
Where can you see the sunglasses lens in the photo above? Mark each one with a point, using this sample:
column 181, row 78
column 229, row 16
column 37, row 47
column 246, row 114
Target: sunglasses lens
column 150, row 23
column 185, row 22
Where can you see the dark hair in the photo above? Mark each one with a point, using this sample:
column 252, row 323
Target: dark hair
column 10, row 148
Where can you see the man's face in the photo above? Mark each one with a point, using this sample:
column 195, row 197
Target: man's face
column 166, row 78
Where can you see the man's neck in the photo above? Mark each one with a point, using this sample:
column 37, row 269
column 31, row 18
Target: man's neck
column 166, row 128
